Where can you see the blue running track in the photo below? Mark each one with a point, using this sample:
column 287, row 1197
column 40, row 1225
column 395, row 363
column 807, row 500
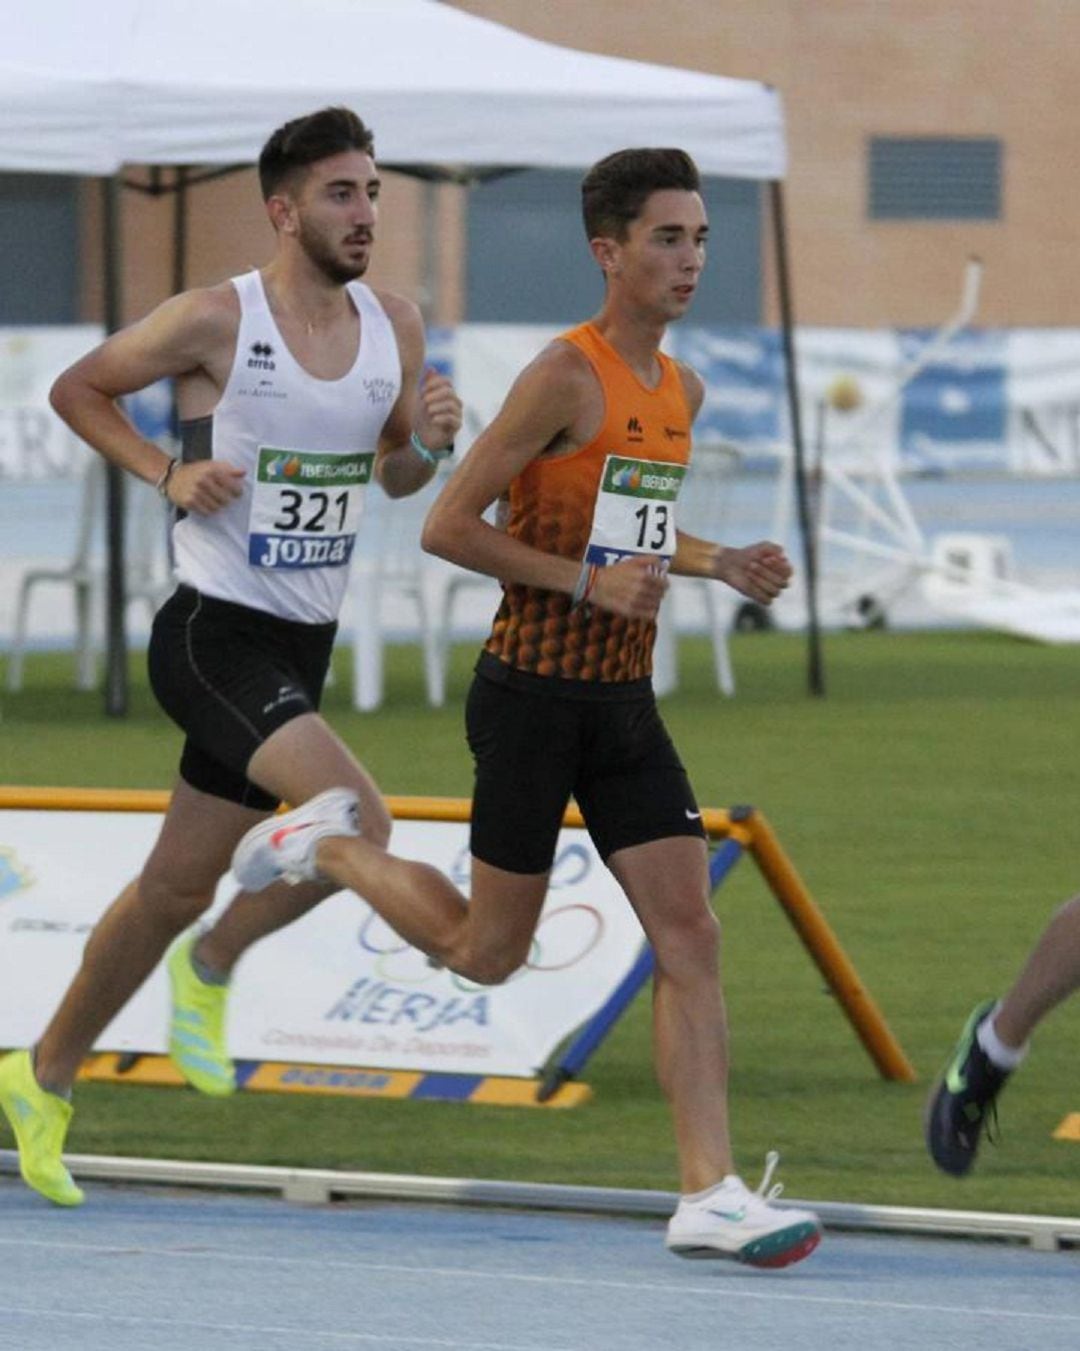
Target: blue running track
column 158, row 1270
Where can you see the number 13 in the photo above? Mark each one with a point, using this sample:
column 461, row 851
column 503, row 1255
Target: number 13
column 659, row 513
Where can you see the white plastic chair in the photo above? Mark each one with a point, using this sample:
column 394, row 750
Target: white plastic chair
column 392, row 568
column 961, row 562
column 147, row 573
column 702, row 511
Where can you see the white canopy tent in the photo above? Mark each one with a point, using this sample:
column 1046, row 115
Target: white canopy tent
column 92, row 89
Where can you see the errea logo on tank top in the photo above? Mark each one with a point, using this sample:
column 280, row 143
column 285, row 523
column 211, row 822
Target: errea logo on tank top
column 261, row 357
column 305, row 507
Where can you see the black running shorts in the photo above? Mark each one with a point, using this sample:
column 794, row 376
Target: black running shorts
column 537, row 741
column 228, row 676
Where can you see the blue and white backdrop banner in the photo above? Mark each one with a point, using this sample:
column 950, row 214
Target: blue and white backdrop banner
column 1002, row 400
column 998, row 400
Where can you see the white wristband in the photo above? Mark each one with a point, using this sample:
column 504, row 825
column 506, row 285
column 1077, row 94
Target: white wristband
column 428, row 455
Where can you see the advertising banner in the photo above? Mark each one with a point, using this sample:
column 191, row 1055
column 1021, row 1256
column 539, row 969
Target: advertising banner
column 34, row 443
column 992, row 400
column 338, row 987
column 1003, row 401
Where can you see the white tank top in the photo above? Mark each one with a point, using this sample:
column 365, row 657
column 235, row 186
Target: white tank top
column 308, row 447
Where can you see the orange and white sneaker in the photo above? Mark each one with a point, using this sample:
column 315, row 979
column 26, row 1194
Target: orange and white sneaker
column 730, row 1221
column 284, row 846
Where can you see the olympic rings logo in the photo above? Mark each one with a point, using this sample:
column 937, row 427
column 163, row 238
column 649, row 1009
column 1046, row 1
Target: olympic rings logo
column 571, row 866
column 565, row 936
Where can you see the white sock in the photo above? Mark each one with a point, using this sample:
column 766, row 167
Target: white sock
column 1004, row 1057
column 708, row 1191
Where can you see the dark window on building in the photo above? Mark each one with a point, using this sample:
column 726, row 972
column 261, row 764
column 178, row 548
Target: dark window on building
column 528, row 260
column 935, row 178
column 39, row 249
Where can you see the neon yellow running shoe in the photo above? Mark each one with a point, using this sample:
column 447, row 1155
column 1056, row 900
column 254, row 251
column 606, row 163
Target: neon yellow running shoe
column 40, row 1121
column 197, row 1024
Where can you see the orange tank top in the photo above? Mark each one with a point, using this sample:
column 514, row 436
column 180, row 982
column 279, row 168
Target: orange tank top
column 611, row 498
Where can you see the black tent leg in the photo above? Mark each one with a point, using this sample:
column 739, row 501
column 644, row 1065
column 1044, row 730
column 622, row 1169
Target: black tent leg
column 116, row 680
column 815, row 664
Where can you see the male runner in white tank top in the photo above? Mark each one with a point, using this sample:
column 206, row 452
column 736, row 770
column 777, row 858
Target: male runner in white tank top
column 295, row 387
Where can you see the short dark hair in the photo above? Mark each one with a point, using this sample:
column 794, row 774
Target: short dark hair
column 614, row 191
column 306, row 140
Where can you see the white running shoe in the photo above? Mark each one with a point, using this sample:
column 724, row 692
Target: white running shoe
column 731, row 1221
column 284, row 846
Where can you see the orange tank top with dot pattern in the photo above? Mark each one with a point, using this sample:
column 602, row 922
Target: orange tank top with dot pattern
column 553, row 506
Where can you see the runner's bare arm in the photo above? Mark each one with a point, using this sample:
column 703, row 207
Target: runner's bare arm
column 760, row 571
column 190, row 334
column 427, row 405
column 544, row 407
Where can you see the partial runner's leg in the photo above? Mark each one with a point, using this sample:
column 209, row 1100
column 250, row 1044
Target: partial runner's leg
column 176, row 885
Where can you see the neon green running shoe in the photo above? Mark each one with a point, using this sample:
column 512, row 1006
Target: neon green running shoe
column 197, row 1024
column 40, row 1121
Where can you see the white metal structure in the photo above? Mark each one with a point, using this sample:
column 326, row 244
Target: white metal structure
column 872, row 548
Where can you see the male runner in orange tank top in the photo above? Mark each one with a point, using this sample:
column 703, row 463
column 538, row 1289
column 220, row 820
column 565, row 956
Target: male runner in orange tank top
column 589, row 452
column 587, row 457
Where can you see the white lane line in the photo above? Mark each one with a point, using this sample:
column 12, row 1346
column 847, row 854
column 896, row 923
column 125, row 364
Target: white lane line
column 773, row 1293
column 267, row 1330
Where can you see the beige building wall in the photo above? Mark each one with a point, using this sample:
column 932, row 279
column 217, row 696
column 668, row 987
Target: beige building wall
column 847, row 70
column 228, row 232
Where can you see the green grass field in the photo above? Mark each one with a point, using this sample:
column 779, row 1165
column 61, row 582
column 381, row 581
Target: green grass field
column 928, row 802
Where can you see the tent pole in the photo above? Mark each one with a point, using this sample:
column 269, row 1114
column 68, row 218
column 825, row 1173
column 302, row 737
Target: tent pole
column 815, row 665
column 116, row 682
column 429, row 280
column 180, row 230
column 179, row 283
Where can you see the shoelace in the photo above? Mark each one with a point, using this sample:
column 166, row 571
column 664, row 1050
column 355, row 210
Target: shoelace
column 764, row 1191
column 739, row 1192
column 986, row 1120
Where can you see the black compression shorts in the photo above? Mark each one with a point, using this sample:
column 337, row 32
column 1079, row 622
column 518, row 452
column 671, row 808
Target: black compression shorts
column 228, row 676
column 538, row 740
